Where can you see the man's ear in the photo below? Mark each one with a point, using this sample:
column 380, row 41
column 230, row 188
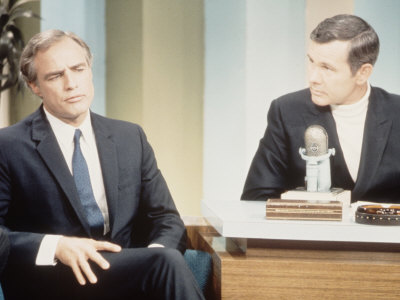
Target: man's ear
column 35, row 89
column 363, row 73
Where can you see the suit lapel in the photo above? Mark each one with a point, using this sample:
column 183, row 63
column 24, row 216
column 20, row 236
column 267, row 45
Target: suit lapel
column 109, row 165
column 51, row 154
column 376, row 133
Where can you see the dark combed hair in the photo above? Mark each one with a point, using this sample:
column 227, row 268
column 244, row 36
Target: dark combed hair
column 364, row 42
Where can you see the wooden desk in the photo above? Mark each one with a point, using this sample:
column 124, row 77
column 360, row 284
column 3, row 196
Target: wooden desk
column 273, row 269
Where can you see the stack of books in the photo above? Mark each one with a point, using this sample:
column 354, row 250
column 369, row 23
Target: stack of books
column 298, row 204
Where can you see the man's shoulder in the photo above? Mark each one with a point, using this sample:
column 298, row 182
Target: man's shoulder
column 380, row 93
column 113, row 122
column 21, row 127
column 385, row 103
column 294, row 101
column 298, row 97
column 115, row 127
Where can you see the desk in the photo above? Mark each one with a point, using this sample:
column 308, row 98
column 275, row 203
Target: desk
column 246, row 219
column 272, row 268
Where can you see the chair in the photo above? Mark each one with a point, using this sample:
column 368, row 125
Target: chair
column 200, row 263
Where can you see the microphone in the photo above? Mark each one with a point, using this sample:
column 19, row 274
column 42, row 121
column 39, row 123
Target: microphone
column 316, row 154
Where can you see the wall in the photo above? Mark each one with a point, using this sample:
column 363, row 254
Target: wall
column 155, row 78
column 254, row 53
column 124, row 60
column 318, row 10
column 383, row 16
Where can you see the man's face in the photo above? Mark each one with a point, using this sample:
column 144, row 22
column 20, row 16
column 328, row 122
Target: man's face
column 64, row 81
column 329, row 74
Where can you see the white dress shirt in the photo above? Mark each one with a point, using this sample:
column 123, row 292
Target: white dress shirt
column 65, row 137
column 350, row 122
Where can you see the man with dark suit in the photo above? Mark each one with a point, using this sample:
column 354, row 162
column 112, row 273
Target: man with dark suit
column 88, row 212
column 361, row 121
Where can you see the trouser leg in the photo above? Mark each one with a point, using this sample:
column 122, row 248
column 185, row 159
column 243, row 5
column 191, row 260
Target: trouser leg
column 147, row 273
column 139, row 273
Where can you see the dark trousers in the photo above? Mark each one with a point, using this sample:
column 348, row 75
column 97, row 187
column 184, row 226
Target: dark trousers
column 4, row 249
column 138, row 273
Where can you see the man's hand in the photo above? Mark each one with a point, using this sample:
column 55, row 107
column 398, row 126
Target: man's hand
column 75, row 253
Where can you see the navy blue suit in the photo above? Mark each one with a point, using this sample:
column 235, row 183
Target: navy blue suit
column 38, row 196
column 277, row 165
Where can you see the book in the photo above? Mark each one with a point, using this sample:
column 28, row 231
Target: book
column 285, row 209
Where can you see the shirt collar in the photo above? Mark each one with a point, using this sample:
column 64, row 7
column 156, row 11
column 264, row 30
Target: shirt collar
column 354, row 108
column 65, row 132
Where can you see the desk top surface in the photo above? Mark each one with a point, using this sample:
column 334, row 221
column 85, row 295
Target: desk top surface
column 246, row 219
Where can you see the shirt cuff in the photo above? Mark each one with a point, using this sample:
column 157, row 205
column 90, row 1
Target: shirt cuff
column 47, row 250
column 155, row 246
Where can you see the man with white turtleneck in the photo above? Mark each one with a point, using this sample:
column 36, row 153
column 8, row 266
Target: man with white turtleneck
column 361, row 120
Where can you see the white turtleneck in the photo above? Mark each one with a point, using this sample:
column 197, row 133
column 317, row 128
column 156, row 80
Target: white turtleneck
column 350, row 121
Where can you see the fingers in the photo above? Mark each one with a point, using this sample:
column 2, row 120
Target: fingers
column 78, row 274
column 103, row 246
column 76, row 252
column 82, row 271
column 85, row 267
column 99, row 260
column 106, row 246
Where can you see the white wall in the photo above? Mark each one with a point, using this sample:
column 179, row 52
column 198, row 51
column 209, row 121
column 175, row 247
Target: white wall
column 275, row 52
column 224, row 95
column 254, row 52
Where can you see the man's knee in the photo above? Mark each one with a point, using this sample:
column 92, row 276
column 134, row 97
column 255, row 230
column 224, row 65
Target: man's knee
column 170, row 258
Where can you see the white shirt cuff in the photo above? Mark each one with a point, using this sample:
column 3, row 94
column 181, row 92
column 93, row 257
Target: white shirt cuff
column 155, row 246
column 47, row 250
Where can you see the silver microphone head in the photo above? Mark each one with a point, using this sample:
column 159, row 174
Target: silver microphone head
column 316, row 140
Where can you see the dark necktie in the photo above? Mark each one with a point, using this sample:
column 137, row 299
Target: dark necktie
column 82, row 181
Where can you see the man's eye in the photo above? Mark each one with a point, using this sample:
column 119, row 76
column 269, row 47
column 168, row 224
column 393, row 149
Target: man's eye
column 80, row 69
column 54, row 77
column 328, row 68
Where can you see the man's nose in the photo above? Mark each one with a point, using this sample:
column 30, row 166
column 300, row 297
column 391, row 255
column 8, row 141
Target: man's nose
column 69, row 80
column 314, row 76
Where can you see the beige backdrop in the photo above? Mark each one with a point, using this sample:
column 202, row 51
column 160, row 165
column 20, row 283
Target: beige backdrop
column 155, row 78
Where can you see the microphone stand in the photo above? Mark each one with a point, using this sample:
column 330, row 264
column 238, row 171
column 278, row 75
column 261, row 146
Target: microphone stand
column 318, row 172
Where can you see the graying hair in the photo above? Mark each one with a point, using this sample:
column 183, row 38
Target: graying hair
column 42, row 41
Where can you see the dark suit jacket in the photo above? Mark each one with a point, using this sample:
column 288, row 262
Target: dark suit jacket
column 38, row 195
column 277, row 165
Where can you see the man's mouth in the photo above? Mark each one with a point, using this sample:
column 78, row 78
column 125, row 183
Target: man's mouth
column 75, row 98
column 316, row 92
